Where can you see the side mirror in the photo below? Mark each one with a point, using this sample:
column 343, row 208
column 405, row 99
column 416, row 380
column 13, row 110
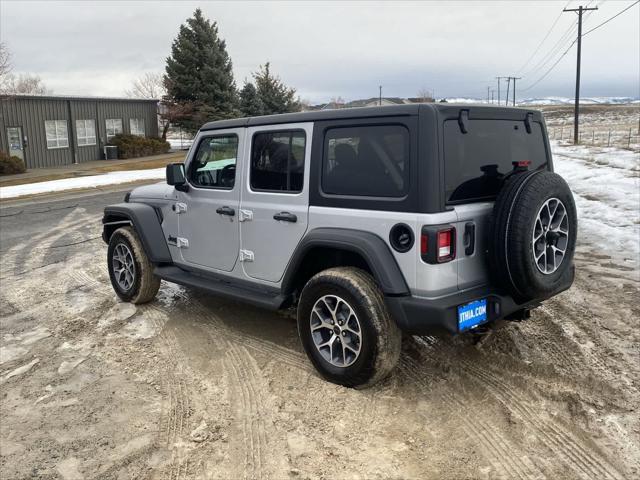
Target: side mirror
column 175, row 176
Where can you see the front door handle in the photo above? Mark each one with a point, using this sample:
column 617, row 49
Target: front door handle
column 285, row 217
column 226, row 211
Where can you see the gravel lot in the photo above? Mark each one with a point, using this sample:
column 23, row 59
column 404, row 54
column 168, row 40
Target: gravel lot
column 191, row 386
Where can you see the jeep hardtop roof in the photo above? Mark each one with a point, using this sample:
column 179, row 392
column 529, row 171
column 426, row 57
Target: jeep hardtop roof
column 440, row 109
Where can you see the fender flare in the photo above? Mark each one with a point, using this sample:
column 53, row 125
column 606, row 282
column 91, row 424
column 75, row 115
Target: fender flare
column 369, row 246
column 145, row 220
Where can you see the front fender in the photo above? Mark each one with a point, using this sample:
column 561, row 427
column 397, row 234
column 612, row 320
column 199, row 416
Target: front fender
column 147, row 224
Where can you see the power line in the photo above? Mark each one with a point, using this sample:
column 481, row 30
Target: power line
column 551, row 68
column 608, row 20
column 560, row 44
column 573, row 43
column 543, row 40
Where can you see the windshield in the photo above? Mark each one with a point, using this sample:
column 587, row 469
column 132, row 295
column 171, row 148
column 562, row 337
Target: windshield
column 476, row 162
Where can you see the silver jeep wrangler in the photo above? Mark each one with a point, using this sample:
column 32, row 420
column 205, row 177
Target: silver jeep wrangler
column 414, row 218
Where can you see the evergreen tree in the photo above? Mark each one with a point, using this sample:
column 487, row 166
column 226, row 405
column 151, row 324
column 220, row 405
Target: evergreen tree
column 275, row 96
column 250, row 103
column 199, row 77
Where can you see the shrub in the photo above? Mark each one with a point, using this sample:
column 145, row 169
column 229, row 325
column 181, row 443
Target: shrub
column 132, row 146
column 9, row 165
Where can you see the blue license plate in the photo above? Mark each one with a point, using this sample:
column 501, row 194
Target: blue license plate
column 472, row 314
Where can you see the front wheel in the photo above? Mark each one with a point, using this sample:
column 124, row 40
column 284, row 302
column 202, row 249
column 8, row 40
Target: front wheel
column 345, row 328
column 130, row 270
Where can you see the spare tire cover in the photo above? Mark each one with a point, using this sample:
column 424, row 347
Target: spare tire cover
column 533, row 235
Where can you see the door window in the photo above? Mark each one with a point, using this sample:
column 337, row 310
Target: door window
column 277, row 161
column 214, row 164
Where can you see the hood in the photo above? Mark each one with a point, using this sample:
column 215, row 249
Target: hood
column 158, row 190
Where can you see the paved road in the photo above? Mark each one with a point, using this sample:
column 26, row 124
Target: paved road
column 21, row 219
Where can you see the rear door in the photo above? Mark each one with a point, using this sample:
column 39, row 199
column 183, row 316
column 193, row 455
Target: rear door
column 208, row 213
column 275, row 198
column 476, row 164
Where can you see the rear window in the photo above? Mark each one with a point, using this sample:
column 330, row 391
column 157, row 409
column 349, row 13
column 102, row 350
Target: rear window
column 371, row 161
column 477, row 162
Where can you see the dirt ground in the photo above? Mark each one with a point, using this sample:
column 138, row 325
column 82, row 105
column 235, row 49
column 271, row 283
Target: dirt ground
column 191, row 386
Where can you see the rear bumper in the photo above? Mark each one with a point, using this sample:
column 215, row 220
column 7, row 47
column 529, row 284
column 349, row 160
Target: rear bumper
column 422, row 316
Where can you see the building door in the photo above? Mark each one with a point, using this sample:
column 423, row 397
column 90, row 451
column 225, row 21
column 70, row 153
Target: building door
column 16, row 146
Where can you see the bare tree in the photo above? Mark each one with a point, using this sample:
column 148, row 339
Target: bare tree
column 425, row 95
column 24, row 84
column 5, row 60
column 150, row 85
column 5, row 65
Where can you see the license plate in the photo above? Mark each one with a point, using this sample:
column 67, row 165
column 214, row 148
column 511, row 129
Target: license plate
column 472, row 314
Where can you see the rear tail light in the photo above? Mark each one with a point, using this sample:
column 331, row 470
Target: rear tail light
column 446, row 249
column 438, row 244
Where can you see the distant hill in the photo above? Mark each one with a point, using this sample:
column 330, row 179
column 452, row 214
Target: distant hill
column 554, row 100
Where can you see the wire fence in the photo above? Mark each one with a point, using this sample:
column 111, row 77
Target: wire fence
column 629, row 139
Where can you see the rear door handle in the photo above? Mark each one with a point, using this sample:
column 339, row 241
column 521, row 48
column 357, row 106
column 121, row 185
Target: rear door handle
column 226, row 211
column 285, row 217
column 469, row 238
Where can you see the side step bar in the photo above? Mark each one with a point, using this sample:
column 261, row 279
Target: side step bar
column 271, row 300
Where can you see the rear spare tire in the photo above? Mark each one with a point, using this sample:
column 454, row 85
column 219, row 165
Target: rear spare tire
column 533, row 235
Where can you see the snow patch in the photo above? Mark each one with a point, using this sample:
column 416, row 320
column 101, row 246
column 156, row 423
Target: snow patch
column 606, row 186
column 91, row 181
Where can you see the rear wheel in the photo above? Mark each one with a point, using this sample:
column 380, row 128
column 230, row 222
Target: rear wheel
column 130, row 270
column 345, row 328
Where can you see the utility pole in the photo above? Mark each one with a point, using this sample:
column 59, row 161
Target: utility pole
column 492, row 92
column 514, row 89
column 506, row 100
column 580, row 10
column 498, row 78
column 488, row 93
column 380, row 96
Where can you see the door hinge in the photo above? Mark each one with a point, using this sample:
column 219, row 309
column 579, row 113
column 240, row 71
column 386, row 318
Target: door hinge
column 246, row 256
column 182, row 242
column 179, row 207
column 245, row 215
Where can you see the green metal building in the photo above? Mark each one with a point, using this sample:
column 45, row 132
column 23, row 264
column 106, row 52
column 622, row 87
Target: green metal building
column 50, row 131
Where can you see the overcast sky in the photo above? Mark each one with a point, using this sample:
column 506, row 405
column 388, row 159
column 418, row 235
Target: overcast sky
column 330, row 49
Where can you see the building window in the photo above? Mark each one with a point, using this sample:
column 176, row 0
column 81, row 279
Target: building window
column 86, row 132
column 136, row 126
column 114, row 127
column 277, row 161
column 57, row 135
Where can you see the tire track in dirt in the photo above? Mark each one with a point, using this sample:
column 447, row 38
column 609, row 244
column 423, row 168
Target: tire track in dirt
column 575, row 454
column 496, row 449
column 251, row 409
column 175, row 407
column 585, row 461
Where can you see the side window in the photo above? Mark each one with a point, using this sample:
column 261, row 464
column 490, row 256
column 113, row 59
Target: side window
column 113, row 126
column 368, row 161
column 214, row 164
column 277, row 161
